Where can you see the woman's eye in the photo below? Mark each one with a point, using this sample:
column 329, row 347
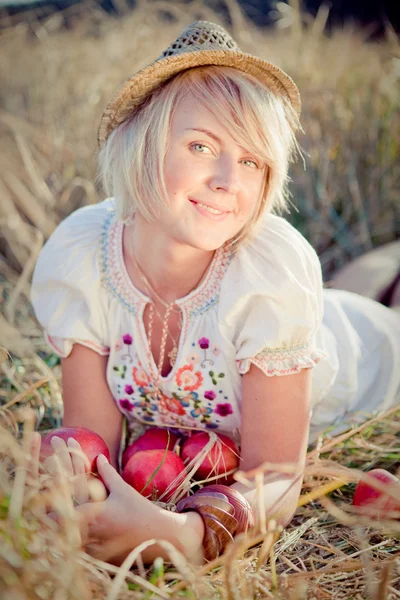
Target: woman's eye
column 200, row 148
column 251, row 163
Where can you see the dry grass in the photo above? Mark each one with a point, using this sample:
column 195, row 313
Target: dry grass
column 57, row 82
column 328, row 551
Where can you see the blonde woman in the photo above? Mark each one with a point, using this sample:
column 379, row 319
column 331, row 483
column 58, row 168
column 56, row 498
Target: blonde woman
column 182, row 300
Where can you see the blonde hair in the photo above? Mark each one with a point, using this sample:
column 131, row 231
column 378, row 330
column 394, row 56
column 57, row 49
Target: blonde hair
column 131, row 161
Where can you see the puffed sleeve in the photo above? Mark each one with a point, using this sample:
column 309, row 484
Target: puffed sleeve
column 271, row 301
column 65, row 293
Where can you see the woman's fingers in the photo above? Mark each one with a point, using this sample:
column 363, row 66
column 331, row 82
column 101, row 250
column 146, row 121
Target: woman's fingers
column 111, row 478
column 62, row 452
column 69, row 461
column 54, row 467
column 78, row 459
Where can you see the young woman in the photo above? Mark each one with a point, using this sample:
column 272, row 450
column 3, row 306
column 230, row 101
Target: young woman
column 183, row 301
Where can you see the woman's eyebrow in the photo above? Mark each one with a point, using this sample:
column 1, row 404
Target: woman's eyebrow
column 206, row 131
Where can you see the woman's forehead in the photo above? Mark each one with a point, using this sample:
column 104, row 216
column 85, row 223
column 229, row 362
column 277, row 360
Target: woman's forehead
column 192, row 115
column 189, row 109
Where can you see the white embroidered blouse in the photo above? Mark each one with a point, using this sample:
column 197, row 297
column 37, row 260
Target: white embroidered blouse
column 261, row 305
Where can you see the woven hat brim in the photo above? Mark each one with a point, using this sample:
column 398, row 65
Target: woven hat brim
column 134, row 91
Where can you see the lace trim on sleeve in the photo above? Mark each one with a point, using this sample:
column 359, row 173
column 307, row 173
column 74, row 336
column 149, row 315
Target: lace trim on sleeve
column 283, row 361
column 63, row 347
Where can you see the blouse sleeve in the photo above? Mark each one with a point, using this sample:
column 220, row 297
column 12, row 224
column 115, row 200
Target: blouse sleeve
column 271, row 302
column 65, row 293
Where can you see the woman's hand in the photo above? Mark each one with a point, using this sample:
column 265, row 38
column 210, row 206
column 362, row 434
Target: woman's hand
column 68, row 461
column 117, row 524
column 111, row 529
column 105, row 525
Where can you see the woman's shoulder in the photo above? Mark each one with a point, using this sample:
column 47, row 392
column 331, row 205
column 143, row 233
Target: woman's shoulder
column 76, row 241
column 66, row 283
column 83, row 223
column 271, row 299
column 278, row 255
column 72, row 252
column 276, row 237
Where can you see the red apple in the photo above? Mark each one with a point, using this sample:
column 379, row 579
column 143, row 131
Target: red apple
column 373, row 501
column 154, row 438
column 142, row 466
column 220, row 459
column 91, row 443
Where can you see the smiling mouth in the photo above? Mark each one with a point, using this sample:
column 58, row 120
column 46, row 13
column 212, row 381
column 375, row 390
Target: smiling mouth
column 210, row 209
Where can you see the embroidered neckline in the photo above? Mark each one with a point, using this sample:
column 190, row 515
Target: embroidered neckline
column 116, row 278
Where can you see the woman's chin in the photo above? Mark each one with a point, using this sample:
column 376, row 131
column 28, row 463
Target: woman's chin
column 208, row 245
column 209, row 241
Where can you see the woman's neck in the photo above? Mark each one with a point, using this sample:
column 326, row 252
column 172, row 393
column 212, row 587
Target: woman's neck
column 172, row 269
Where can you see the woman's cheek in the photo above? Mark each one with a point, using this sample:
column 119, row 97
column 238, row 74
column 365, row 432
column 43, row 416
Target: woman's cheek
column 252, row 202
column 243, row 216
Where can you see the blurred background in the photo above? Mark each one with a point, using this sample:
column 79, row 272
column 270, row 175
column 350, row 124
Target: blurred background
column 375, row 14
column 60, row 61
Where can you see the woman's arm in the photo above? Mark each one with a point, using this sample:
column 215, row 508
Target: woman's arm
column 88, row 401
column 275, row 429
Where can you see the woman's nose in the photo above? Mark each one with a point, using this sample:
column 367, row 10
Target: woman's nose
column 225, row 178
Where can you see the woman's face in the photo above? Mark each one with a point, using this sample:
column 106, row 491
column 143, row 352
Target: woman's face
column 213, row 184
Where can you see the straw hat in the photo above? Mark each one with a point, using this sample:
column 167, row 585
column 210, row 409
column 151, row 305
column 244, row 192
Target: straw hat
column 200, row 44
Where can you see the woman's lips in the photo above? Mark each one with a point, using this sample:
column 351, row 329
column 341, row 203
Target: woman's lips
column 200, row 207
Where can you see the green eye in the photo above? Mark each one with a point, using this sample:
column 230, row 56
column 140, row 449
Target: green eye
column 252, row 163
column 197, row 146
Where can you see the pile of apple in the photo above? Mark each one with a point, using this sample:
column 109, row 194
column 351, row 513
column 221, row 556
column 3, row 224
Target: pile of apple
column 158, row 458
column 153, row 462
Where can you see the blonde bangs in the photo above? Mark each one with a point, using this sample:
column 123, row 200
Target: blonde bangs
column 131, row 162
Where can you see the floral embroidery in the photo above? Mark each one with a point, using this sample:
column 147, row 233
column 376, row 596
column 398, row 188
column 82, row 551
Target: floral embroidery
column 188, row 380
column 172, row 405
column 177, row 421
column 215, row 377
column 186, row 400
column 224, row 410
column 126, row 404
column 283, row 361
column 147, row 404
column 140, row 376
column 188, row 403
column 150, row 394
column 127, row 339
column 203, row 411
column 204, row 344
column 121, row 371
column 118, row 346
